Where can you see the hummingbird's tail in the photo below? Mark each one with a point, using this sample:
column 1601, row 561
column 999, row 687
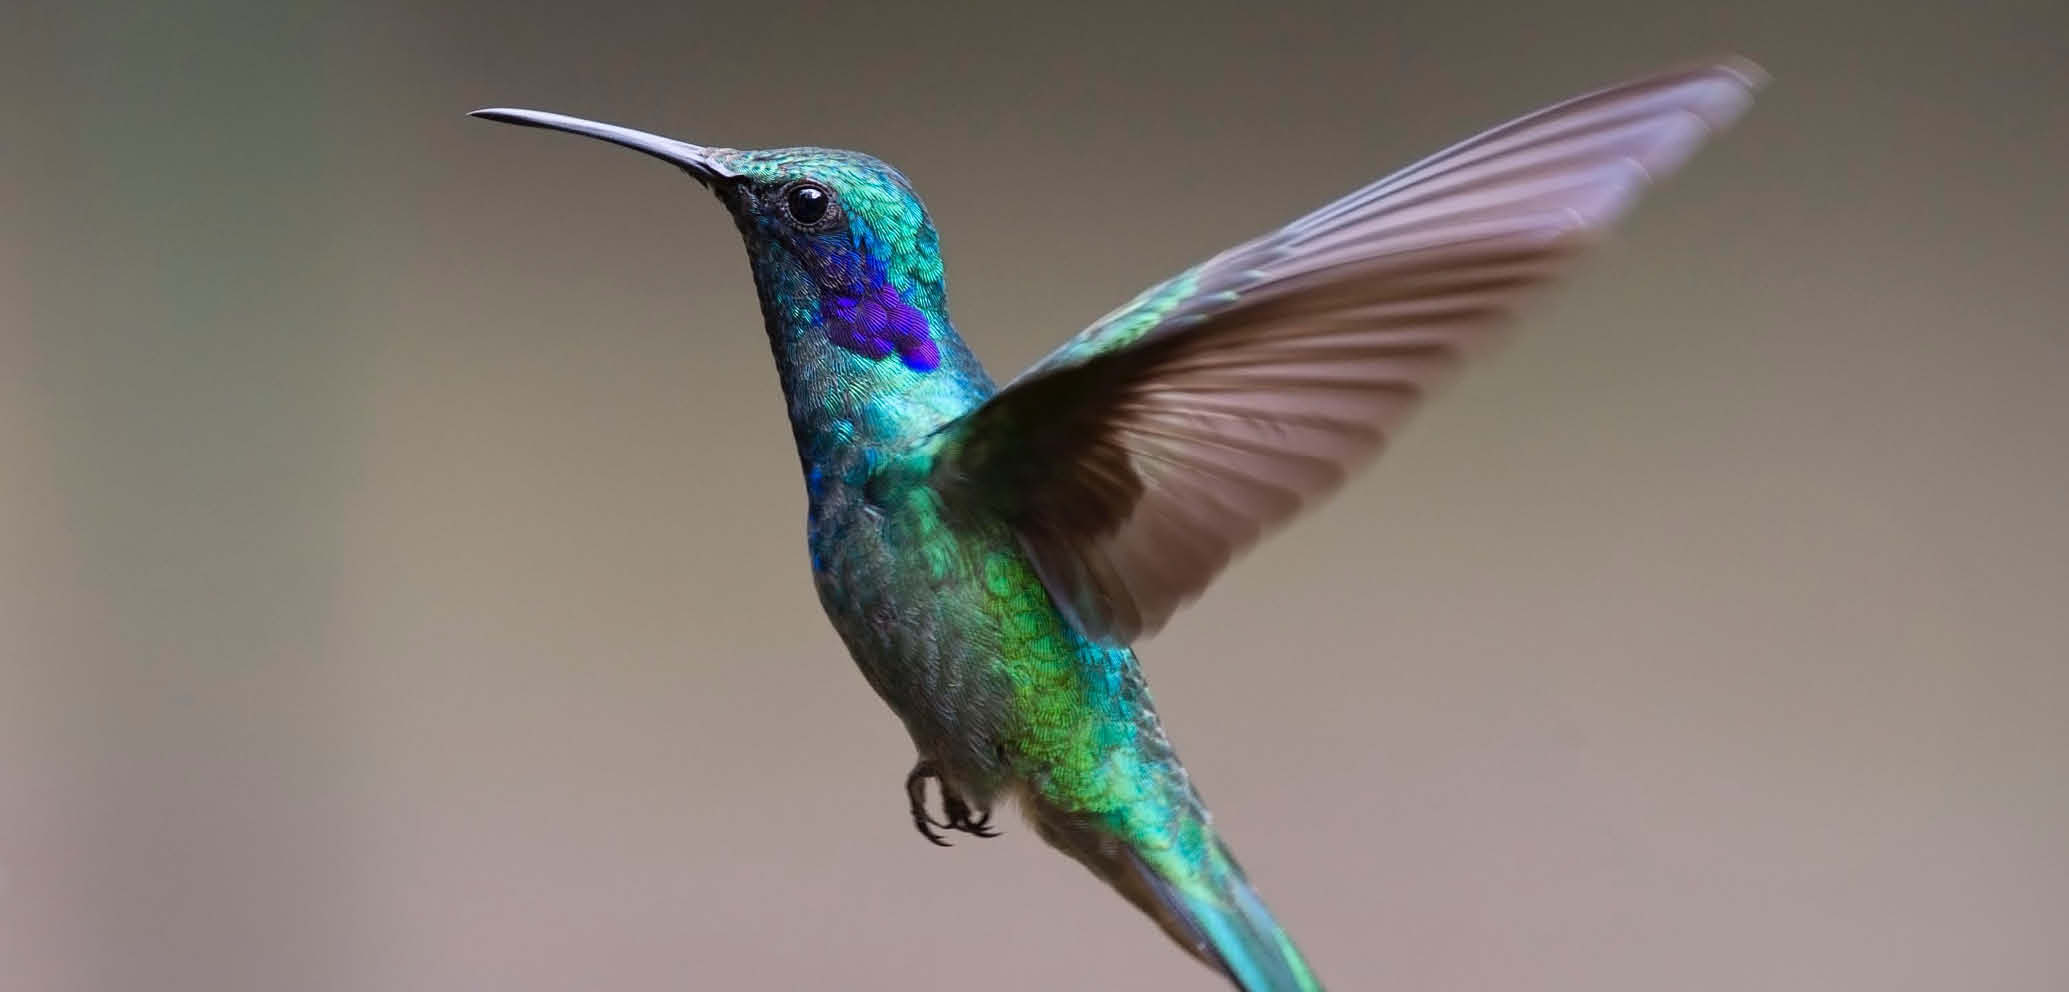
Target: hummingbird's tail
column 1203, row 900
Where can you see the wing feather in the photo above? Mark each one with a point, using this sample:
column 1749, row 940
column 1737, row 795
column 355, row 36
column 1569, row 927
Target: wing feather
column 1138, row 459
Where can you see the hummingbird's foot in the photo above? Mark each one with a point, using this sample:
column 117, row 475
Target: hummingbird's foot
column 916, row 794
column 959, row 817
column 956, row 814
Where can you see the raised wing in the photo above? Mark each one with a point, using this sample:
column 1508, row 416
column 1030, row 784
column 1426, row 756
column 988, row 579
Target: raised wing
column 1137, row 459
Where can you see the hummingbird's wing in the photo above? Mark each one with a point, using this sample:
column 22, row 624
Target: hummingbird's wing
column 1137, row 459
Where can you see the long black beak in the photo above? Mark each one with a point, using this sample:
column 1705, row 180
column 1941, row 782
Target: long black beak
column 696, row 160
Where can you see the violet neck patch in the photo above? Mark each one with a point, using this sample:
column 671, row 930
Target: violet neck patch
column 876, row 322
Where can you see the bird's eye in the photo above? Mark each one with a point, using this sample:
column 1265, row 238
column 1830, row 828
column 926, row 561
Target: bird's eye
column 807, row 203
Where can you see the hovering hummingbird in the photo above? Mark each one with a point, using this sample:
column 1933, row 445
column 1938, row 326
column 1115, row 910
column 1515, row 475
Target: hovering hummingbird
column 989, row 555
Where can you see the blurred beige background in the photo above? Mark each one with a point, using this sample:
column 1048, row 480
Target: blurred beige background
column 402, row 585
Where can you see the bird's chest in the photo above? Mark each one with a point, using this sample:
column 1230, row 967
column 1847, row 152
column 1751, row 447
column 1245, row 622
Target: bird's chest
column 906, row 592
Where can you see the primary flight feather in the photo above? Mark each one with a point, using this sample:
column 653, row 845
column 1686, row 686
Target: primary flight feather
column 1171, row 433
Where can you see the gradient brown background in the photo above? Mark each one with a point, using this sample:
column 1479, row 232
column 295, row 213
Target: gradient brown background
column 401, row 582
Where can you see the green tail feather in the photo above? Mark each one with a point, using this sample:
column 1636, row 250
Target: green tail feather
column 1208, row 907
column 1235, row 931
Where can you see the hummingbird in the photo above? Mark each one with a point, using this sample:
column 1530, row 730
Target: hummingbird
column 990, row 556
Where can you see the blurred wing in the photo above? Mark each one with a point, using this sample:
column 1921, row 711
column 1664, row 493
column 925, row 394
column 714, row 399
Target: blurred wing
column 1137, row 459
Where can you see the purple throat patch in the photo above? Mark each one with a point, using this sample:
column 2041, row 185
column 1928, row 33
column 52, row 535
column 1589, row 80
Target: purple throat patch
column 877, row 323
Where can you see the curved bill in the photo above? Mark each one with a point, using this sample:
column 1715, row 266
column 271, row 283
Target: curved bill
column 696, row 160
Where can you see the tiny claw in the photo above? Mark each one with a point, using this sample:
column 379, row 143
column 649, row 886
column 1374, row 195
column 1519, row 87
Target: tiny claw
column 916, row 794
column 924, row 826
column 955, row 813
column 959, row 817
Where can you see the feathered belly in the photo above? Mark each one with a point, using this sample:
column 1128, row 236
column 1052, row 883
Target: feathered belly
column 957, row 634
column 908, row 597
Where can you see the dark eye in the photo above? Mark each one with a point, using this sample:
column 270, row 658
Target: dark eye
column 807, row 203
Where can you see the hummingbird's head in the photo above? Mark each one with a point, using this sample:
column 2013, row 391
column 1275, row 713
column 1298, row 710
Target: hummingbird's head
column 840, row 244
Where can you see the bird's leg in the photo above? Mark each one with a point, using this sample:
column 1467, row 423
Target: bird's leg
column 958, row 813
column 916, row 794
column 955, row 812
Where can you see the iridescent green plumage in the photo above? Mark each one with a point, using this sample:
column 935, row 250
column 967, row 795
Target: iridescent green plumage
column 989, row 555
